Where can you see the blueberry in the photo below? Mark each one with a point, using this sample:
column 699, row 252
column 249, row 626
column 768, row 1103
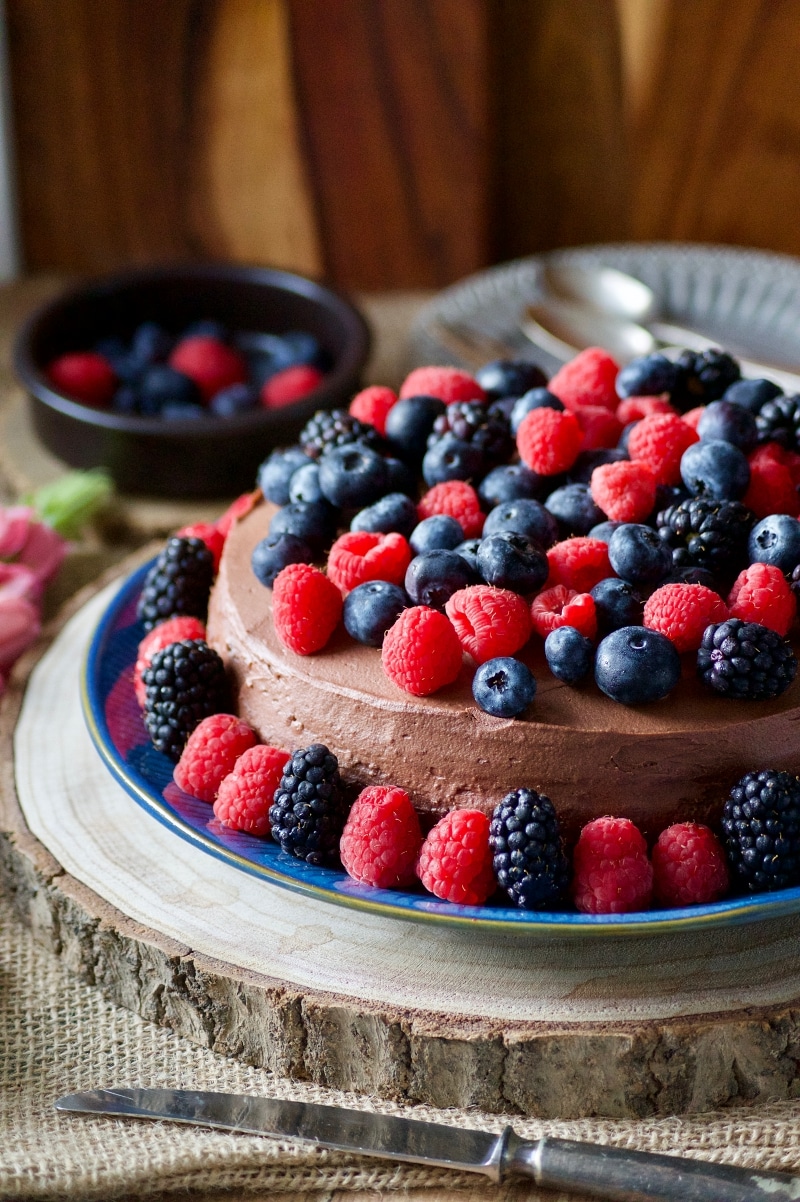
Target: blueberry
column 509, row 377
column 275, row 473
column 150, row 344
column 206, row 327
column 437, row 533
column 509, row 560
column 371, row 609
column 502, row 409
column 649, row 375
column 126, row 368
column 587, row 461
column 751, row 394
column 669, row 494
column 574, row 510
column 352, row 476
column 274, row 552
column 503, row 687
column 399, row 477
column 622, row 441
column 161, row 384
column 776, row 540
column 409, row 423
column 236, row 398
column 728, row 422
column 451, row 459
column 182, row 411
column 715, row 469
column 304, row 485
column 638, row 555
column 394, row 513
column 296, row 347
column 695, row 575
column 604, row 530
column 433, row 577
column 468, row 550
column 527, row 517
column 616, row 604
column 537, row 398
column 125, row 400
column 635, row 665
column 510, row 482
column 568, row 653
column 312, row 521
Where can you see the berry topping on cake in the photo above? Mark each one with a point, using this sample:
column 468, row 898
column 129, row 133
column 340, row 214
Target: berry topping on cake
column 776, row 539
column 421, row 652
column 548, row 441
column 569, row 654
column 705, row 533
column 778, row 420
column 771, row 488
column 484, row 429
column 448, row 384
column 660, row 441
column 626, row 492
column 761, row 593
column 458, row 500
column 715, row 469
column 275, row 552
column 433, row 577
column 489, row 622
column 611, row 871
column 455, row 861
column 527, row 850
column 308, row 813
column 638, row 555
column 647, row 376
column 588, row 379
column 689, row 866
column 561, row 606
column 335, row 428
column 210, row 753
column 184, row 683
column 178, row 583
column 381, row 839
column 703, row 376
column 509, row 378
column 174, row 630
column 511, row 561
column 761, row 831
column 372, row 406
column 306, row 607
column 359, row 556
column 636, row 666
column 208, row 533
column 745, row 661
column 503, row 687
column 578, row 563
column 523, row 516
column 682, row 612
column 634, row 408
column 246, row 794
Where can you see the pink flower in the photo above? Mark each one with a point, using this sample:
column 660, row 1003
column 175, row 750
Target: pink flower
column 26, row 540
column 17, row 580
column 19, row 627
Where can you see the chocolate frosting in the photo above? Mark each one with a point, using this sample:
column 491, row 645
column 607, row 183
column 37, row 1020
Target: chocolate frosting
column 673, row 760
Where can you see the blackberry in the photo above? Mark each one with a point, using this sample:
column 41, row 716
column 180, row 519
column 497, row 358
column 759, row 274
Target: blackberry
column 794, row 581
column 707, row 533
column 703, row 376
column 528, row 854
column 178, row 583
column 336, row 428
column 745, row 661
column 184, row 683
column 778, row 420
column 472, row 422
column 308, row 814
column 761, row 830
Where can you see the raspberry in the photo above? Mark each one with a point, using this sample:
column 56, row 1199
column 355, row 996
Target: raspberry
column 562, row 606
column 306, row 607
column 447, row 383
column 209, row 362
column 634, row 408
column 290, row 385
column 372, row 405
column 579, row 563
column 659, row 441
column 600, row 427
column 381, row 839
column 692, row 417
column 611, row 871
column 682, row 612
column 455, row 499
column 762, row 594
column 246, row 793
column 175, row 630
column 772, row 487
column 85, row 376
column 689, row 866
column 548, row 441
column 210, row 534
column 489, row 622
column 455, row 861
column 588, row 379
column 361, row 555
column 625, row 491
column 236, row 510
column 421, row 652
column 210, row 753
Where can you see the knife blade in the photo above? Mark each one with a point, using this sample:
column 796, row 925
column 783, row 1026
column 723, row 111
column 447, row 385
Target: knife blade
column 596, row 1169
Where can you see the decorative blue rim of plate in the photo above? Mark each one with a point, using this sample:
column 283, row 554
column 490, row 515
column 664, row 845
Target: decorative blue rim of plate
column 117, row 731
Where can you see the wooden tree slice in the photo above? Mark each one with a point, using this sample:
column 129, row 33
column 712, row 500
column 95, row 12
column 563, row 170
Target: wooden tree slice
column 556, row 1028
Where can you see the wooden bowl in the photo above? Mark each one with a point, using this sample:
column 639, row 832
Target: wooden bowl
column 209, row 457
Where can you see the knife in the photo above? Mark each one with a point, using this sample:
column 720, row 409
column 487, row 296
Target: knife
column 553, row 1163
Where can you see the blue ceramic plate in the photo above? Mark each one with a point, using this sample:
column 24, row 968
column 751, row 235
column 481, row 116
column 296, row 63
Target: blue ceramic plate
column 116, row 727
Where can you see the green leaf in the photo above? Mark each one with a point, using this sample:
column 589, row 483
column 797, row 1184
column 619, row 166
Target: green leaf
column 70, row 503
